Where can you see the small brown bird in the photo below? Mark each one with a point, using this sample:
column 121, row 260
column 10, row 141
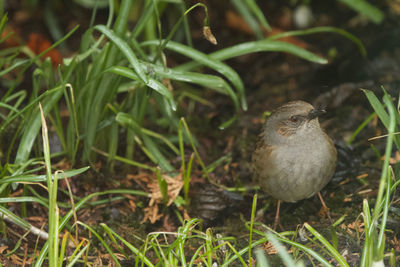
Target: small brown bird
column 294, row 158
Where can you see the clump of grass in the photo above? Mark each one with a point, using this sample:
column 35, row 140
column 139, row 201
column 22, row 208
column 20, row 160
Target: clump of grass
column 124, row 76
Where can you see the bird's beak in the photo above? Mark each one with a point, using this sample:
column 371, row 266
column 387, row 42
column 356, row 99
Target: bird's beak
column 315, row 113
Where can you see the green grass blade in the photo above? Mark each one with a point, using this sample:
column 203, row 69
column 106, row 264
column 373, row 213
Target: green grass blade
column 360, row 128
column 324, row 29
column 3, row 21
column 206, row 60
column 286, row 258
column 368, row 249
column 328, row 246
column 17, row 220
column 156, row 155
column 32, row 127
column 152, row 83
column 22, row 199
column 132, row 248
column 159, row 158
column 307, row 250
column 209, row 81
column 18, row 63
column 261, row 259
column 265, row 45
column 379, row 108
column 253, row 214
column 236, row 256
column 103, row 242
column 40, row 259
column 126, row 50
column 366, row 9
column 92, row 47
column 144, row 18
column 52, row 185
column 242, row 7
column 77, row 254
column 177, row 24
column 125, row 119
column 258, row 13
column 39, row 178
column 385, row 181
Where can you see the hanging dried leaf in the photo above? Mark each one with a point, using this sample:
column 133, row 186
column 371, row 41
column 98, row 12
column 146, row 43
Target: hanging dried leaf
column 209, row 35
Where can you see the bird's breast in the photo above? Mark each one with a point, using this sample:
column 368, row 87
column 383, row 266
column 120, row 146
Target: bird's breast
column 299, row 169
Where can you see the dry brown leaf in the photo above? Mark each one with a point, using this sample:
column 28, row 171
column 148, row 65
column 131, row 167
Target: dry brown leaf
column 63, row 164
column 132, row 205
column 394, row 6
column 186, row 215
column 174, row 187
column 362, row 176
column 98, row 262
column 393, row 160
column 149, row 182
column 2, row 249
column 323, row 212
column 168, row 225
column 36, row 219
column 270, row 249
column 38, row 43
column 209, row 35
column 357, row 225
column 151, row 214
column 15, row 259
column 396, row 243
column 167, row 83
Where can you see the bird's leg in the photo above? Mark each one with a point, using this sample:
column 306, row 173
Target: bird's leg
column 276, row 222
column 324, row 209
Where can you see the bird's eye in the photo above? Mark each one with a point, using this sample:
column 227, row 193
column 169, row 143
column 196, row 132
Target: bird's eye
column 294, row 119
